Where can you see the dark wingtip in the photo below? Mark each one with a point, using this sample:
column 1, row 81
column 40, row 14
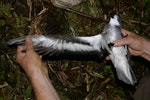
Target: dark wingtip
column 9, row 42
column 16, row 41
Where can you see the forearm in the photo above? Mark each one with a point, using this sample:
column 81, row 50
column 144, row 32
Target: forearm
column 37, row 72
column 43, row 88
column 146, row 49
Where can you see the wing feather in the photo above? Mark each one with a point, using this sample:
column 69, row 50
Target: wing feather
column 58, row 44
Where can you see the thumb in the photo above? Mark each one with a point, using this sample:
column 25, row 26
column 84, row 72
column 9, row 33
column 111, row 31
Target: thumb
column 121, row 42
column 125, row 32
column 29, row 43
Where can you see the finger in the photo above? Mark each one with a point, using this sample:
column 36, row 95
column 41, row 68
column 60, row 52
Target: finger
column 29, row 43
column 41, row 56
column 107, row 58
column 20, row 48
column 121, row 42
column 19, row 53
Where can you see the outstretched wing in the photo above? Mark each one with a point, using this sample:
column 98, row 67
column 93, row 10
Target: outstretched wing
column 59, row 44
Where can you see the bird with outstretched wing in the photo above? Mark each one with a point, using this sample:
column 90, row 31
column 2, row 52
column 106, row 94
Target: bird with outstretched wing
column 56, row 45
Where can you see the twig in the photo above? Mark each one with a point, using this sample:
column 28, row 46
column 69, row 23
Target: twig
column 84, row 14
column 3, row 85
column 37, row 21
column 29, row 3
column 105, row 81
column 138, row 22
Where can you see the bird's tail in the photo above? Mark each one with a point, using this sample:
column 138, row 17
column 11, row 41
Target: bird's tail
column 122, row 66
column 127, row 76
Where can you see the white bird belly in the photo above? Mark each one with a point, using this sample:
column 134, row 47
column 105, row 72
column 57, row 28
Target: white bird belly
column 121, row 64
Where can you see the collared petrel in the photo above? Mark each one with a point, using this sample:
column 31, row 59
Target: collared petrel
column 59, row 44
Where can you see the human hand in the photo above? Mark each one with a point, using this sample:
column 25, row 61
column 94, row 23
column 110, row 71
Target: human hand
column 30, row 61
column 137, row 45
column 134, row 42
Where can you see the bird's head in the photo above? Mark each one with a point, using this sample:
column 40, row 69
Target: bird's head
column 115, row 20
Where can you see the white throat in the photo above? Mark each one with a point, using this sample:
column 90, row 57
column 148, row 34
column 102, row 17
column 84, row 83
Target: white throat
column 115, row 21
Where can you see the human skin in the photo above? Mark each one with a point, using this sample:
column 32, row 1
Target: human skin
column 138, row 46
column 37, row 72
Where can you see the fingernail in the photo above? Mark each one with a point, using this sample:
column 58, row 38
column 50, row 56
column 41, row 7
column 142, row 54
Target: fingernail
column 125, row 36
column 24, row 50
